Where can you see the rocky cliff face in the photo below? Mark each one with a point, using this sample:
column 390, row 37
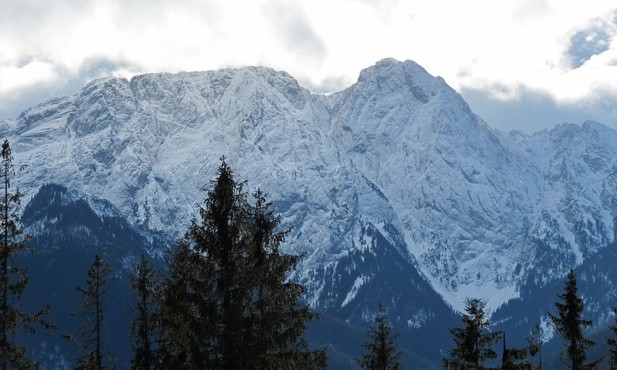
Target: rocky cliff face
column 395, row 165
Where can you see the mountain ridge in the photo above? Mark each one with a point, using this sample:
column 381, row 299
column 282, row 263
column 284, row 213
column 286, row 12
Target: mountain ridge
column 477, row 211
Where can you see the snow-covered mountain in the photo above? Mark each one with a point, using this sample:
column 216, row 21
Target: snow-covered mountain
column 396, row 164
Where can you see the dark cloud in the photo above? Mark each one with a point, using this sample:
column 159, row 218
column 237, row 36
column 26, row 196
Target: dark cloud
column 534, row 111
column 591, row 40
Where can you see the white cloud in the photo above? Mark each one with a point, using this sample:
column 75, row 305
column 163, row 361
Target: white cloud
column 16, row 81
column 292, row 27
column 13, row 78
column 503, row 48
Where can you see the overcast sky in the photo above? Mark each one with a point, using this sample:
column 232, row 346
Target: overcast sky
column 521, row 64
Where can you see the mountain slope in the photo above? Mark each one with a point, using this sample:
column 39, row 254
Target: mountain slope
column 446, row 174
column 67, row 232
column 397, row 157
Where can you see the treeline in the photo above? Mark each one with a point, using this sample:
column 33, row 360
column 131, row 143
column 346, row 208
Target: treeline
column 223, row 301
column 475, row 342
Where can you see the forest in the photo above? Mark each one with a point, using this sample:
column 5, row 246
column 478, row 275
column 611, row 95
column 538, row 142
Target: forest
column 225, row 301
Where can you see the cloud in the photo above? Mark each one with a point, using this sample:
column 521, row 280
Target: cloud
column 534, row 110
column 295, row 31
column 530, row 9
column 506, row 49
column 47, row 80
column 23, row 75
column 327, row 85
column 592, row 40
column 21, row 84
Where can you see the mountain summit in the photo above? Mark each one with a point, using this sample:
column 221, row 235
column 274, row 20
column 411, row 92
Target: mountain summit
column 396, row 166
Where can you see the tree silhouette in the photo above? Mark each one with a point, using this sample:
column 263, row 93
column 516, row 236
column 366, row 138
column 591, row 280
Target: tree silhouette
column 13, row 279
column 514, row 358
column 570, row 326
column 382, row 353
column 473, row 342
column 612, row 343
column 92, row 332
column 146, row 284
column 535, row 341
column 227, row 303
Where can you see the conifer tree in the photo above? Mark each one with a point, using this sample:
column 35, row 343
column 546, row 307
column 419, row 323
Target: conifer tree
column 514, row 358
column 227, row 303
column 382, row 353
column 276, row 313
column 612, row 344
column 92, row 332
column 570, row 326
column 535, row 341
column 473, row 342
column 13, row 279
column 146, row 324
column 187, row 312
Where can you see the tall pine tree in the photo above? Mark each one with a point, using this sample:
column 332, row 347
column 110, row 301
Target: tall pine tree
column 570, row 325
column 382, row 353
column 91, row 335
column 145, row 331
column 13, row 279
column 227, row 303
column 473, row 342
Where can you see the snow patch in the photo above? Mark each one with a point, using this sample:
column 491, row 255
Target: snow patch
column 357, row 284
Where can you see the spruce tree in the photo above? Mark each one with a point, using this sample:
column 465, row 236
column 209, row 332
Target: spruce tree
column 535, row 341
column 145, row 329
column 612, row 344
column 278, row 318
column 91, row 335
column 13, row 279
column 382, row 353
column 187, row 312
column 571, row 326
column 473, row 342
column 514, row 358
column 227, row 303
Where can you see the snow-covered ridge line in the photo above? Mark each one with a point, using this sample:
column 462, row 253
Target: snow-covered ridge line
column 474, row 208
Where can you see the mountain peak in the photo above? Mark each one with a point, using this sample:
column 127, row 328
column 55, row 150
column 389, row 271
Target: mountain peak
column 390, row 65
column 399, row 150
column 390, row 75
